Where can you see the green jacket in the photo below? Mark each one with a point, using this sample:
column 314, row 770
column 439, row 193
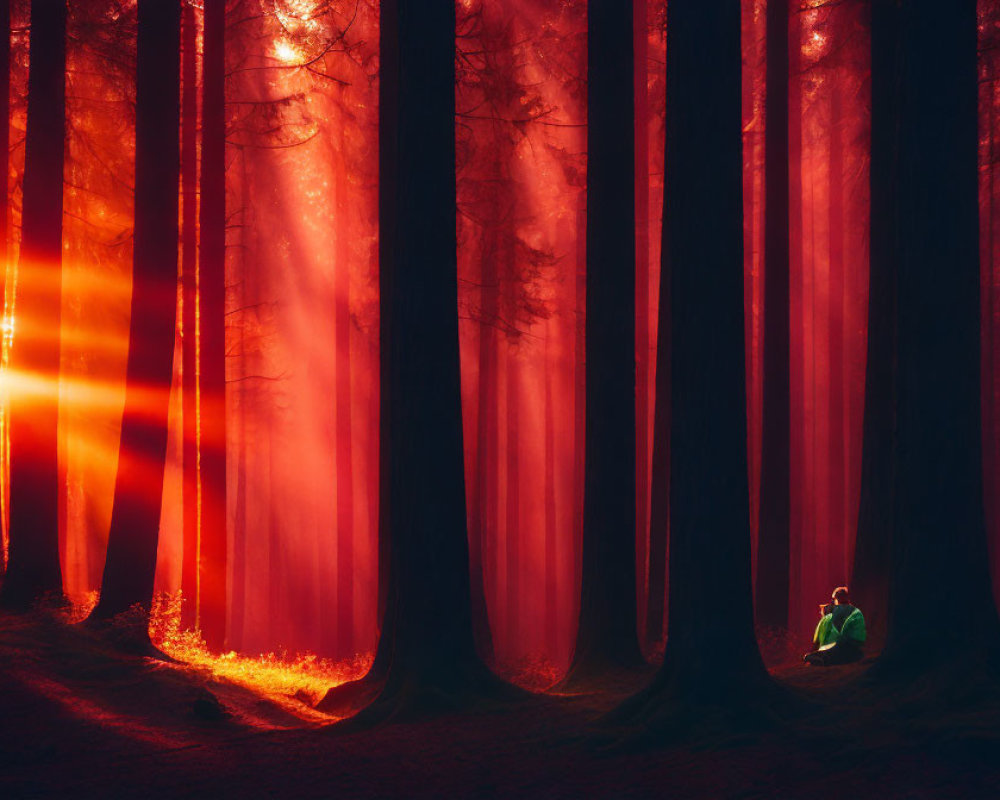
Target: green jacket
column 853, row 631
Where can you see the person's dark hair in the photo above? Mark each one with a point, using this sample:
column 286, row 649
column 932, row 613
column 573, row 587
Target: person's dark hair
column 840, row 595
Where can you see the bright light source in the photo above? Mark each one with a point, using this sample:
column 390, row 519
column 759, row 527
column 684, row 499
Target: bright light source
column 285, row 52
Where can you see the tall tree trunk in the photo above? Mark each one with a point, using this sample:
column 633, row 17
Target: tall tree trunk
column 212, row 288
column 277, row 587
column 551, row 568
column 711, row 658
column 773, row 532
column 33, row 570
column 579, row 386
column 189, row 319
column 870, row 574
column 796, row 313
column 512, row 502
column 483, row 497
column 237, row 609
column 607, row 636
column 343, row 427
column 837, row 544
column 659, row 518
column 135, row 518
column 433, row 663
column 640, row 37
column 939, row 538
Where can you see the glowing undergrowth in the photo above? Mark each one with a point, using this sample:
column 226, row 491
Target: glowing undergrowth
column 293, row 681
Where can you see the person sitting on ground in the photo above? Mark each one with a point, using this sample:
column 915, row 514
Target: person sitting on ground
column 840, row 634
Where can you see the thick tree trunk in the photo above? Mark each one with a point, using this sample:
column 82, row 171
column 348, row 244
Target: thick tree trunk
column 135, row 518
column 939, row 537
column 870, row 574
column 773, row 532
column 607, row 636
column 212, row 288
column 433, row 663
column 711, row 659
column 189, row 320
column 33, row 571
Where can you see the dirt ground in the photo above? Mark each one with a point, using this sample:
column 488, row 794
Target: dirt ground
column 80, row 719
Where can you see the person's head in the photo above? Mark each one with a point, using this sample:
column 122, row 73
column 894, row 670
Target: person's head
column 841, row 596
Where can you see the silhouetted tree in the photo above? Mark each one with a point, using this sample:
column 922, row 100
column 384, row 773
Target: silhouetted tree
column 432, row 661
column 212, row 289
column 33, row 570
column 711, row 660
column 939, row 537
column 135, row 518
column 607, row 635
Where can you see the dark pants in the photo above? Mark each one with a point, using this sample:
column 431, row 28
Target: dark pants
column 840, row 653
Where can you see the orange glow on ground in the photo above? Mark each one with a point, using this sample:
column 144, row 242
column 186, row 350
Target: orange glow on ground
column 292, row 681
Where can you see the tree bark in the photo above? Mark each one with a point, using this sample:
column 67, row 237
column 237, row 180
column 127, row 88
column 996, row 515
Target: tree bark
column 34, row 571
column 773, row 533
column 135, row 518
column 939, row 538
column 212, row 288
column 433, row 663
column 607, row 636
column 711, row 659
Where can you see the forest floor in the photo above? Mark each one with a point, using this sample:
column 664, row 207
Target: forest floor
column 78, row 718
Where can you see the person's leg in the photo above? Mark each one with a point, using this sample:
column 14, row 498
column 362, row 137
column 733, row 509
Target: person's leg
column 816, row 658
column 842, row 653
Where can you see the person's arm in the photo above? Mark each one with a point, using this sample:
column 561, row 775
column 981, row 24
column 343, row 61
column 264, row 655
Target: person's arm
column 854, row 628
column 822, row 631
